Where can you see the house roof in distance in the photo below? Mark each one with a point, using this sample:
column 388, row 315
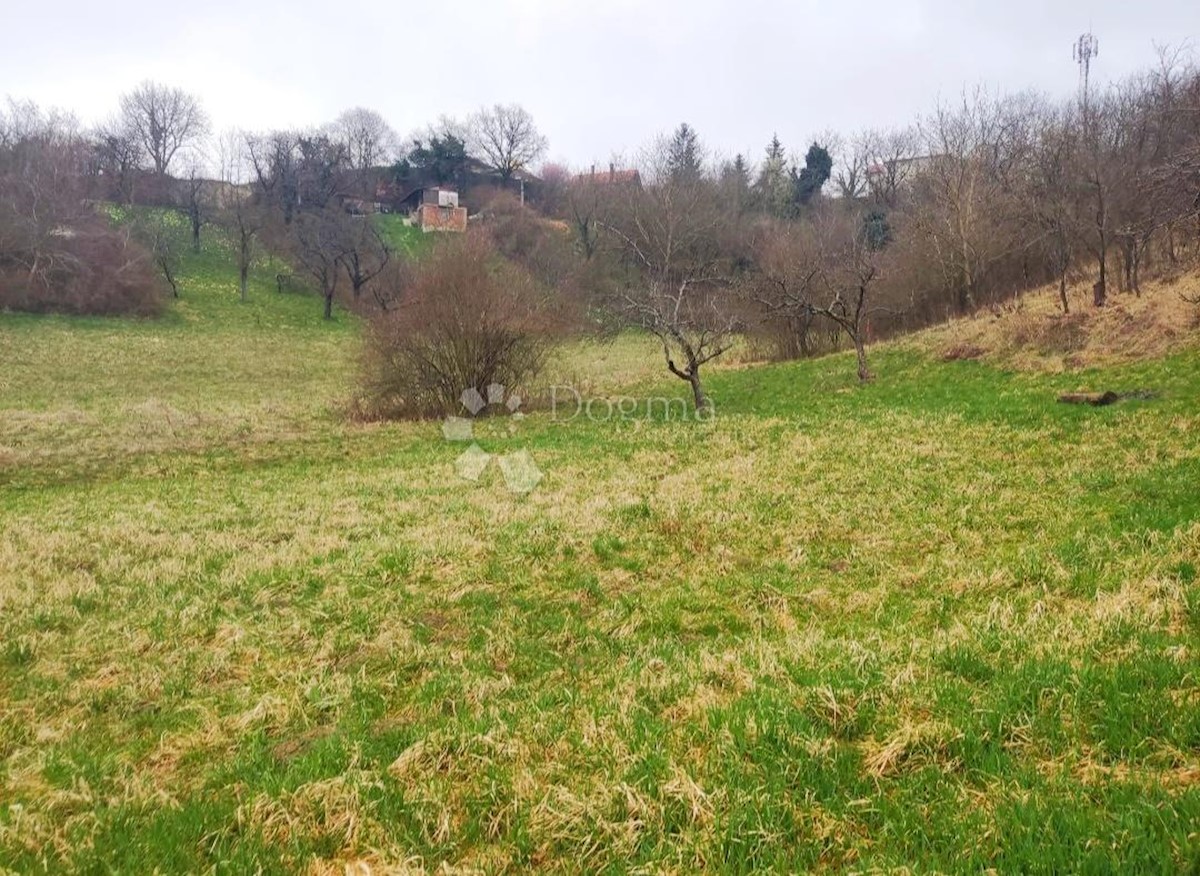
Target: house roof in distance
column 613, row 176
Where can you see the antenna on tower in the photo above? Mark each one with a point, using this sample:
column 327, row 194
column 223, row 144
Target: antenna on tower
column 1082, row 52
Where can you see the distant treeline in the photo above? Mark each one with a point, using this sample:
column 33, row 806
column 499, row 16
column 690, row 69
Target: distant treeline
column 858, row 237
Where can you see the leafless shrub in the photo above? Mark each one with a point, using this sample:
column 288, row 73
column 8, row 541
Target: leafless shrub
column 96, row 271
column 56, row 253
column 467, row 319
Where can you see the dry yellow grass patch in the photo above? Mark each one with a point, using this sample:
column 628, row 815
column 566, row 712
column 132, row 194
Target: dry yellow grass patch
column 911, row 746
column 1033, row 334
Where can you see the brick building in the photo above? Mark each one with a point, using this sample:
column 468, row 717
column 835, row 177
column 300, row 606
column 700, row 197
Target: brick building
column 433, row 208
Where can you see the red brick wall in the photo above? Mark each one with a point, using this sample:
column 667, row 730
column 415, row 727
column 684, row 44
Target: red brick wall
column 431, row 217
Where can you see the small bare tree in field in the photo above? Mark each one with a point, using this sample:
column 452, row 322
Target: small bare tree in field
column 788, row 265
column 164, row 120
column 156, row 233
column 847, row 282
column 506, row 137
column 237, row 209
column 675, row 231
column 365, row 255
column 195, row 204
column 245, row 219
column 827, row 267
column 319, row 245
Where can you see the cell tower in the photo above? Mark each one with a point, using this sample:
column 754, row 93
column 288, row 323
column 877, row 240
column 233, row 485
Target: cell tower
column 1085, row 48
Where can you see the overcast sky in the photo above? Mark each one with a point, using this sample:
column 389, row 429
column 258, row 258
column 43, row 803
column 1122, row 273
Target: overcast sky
column 600, row 77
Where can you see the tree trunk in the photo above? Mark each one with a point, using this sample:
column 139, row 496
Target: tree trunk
column 702, row 402
column 243, row 270
column 195, row 217
column 1062, row 292
column 1100, row 289
column 860, row 351
column 1126, row 281
column 329, row 304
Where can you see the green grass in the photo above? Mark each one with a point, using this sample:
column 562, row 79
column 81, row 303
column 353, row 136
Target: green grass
column 940, row 622
column 402, row 238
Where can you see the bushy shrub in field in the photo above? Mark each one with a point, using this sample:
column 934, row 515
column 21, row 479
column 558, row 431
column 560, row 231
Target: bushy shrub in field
column 467, row 318
column 89, row 268
column 57, row 254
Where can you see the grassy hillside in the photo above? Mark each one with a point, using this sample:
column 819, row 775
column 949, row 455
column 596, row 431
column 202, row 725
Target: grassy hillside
column 939, row 622
column 402, row 238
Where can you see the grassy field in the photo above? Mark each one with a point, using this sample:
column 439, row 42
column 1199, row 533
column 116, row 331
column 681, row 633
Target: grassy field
column 940, row 622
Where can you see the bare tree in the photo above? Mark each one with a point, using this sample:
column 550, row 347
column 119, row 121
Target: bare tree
column 365, row 255
column 827, row 268
column 674, row 230
column 40, row 192
column 273, row 159
column 368, row 139
column 850, row 272
column 1154, row 116
column 118, row 154
column 506, row 138
column 164, row 121
column 158, row 236
column 319, row 245
column 853, row 162
column 788, row 266
column 588, row 202
column 319, row 170
column 976, row 152
column 245, row 220
column 1101, row 137
column 892, row 157
column 1051, row 197
column 237, row 209
column 552, row 193
column 467, row 320
column 296, row 170
column 195, row 204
